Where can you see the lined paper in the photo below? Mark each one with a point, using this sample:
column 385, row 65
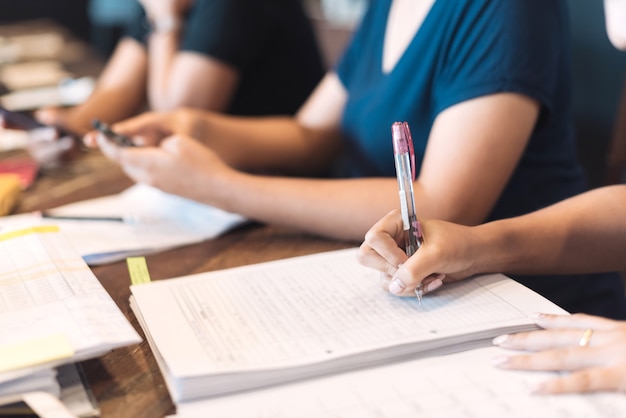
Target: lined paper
column 47, row 291
column 458, row 385
column 256, row 325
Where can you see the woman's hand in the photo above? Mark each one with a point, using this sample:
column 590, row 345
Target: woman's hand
column 178, row 165
column 595, row 358
column 150, row 128
column 445, row 255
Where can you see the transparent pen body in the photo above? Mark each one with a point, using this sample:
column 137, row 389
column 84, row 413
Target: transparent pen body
column 407, row 202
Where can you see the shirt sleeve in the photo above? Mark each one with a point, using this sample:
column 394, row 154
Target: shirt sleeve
column 232, row 31
column 138, row 28
column 510, row 46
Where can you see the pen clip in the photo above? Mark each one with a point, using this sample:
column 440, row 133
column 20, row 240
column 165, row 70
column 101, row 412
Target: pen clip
column 403, row 143
column 409, row 140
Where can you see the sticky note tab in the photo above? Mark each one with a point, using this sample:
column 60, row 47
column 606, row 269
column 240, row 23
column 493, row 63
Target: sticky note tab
column 138, row 270
column 10, row 192
column 35, row 352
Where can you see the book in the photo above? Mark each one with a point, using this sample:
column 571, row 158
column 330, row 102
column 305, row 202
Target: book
column 255, row 326
column 463, row 384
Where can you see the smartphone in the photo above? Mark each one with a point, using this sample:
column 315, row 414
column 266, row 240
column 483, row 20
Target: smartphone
column 121, row 140
column 17, row 120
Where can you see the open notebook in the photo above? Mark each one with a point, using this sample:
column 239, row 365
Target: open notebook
column 254, row 326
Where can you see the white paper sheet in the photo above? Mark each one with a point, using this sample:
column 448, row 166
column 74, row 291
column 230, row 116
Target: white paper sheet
column 156, row 221
column 457, row 385
column 47, row 289
column 308, row 315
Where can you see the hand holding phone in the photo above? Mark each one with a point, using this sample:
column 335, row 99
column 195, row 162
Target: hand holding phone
column 121, row 140
column 17, row 120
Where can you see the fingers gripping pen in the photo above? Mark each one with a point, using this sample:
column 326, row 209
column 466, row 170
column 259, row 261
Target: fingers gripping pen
column 404, row 158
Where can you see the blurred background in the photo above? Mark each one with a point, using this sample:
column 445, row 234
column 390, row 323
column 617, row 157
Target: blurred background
column 599, row 69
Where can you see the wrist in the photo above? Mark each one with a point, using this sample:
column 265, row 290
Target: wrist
column 491, row 245
column 503, row 247
column 165, row 24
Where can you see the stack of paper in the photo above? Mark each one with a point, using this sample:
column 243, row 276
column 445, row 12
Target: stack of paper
column 141, row 220
column 53, row 311
column 457, row 385
column 66, row 383
column 259, row 325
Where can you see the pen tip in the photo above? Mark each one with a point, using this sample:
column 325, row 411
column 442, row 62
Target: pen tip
column 418, row 294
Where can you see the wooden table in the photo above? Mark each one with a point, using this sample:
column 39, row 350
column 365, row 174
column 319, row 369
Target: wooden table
column 127, row 382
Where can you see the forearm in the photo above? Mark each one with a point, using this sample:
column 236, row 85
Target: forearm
column 120, row 91
column 583, row 234
column 162, row 49
column 270, row 144
column 106, row 104
column 341, row 209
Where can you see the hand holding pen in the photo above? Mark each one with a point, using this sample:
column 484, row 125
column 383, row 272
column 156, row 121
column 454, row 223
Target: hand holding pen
column 404, row 158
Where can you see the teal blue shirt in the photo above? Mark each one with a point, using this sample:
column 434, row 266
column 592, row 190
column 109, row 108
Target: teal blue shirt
column 466, row 49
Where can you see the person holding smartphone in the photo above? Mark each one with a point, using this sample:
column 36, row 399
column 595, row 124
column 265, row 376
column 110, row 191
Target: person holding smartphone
column 241, row 57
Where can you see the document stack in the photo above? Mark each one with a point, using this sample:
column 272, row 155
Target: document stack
column 53, row 312
column 316, row 336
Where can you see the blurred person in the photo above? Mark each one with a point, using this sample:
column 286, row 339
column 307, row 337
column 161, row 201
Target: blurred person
column 242, row 57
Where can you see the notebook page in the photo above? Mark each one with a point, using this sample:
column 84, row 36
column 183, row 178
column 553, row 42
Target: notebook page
column 46, row 289
column 457, row 385
column 309, row 309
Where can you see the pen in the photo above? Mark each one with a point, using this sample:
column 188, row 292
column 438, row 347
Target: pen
column 404, row 158
column 47, row 215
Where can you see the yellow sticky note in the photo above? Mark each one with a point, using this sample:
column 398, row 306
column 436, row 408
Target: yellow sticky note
column 138, row 270
column 35, row 352
column 10, row 192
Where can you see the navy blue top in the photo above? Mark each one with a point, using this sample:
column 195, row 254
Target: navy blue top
column 466, row 49
column 271, row 43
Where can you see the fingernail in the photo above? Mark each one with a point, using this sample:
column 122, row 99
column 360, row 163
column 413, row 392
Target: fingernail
column 396, row 287
column 435, row 284
column 539, row 388
column 500, row 339
column 500, row 361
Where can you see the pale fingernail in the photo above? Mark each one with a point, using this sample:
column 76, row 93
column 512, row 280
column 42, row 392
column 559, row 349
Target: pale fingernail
column 500, row 361
column 500, row 339
column 539, row 388
column 435, row 284
column 396, row 287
